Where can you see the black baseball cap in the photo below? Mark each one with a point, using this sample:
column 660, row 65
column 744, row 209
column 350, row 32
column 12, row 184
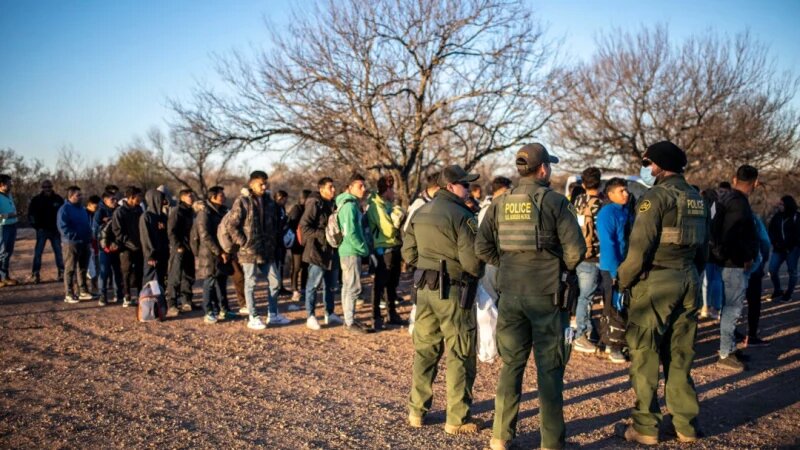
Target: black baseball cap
column 534, row 155
column 455, row 174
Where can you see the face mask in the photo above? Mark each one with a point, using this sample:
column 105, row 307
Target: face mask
column 646, row 174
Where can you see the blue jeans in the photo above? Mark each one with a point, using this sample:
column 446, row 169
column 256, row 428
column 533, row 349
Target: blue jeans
column 587, row 283
column 328, row 278
column 42, row 236
column 215, row 295
column 712, row 286
column 775, row 263
column 251, row 271
column 734, row 281
column 8, row 236
column 351, row 285
column 110, row 267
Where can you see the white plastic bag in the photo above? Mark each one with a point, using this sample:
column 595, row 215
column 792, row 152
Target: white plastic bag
column 487, row 326
column 411, row 320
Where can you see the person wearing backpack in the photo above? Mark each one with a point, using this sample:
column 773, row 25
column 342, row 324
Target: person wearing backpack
column 734, row 247
column 318, row 254
column 385, row 221
column 784, row 234
column 588, row 205
column 352, row 248
column 110, row 270
column 253, row 226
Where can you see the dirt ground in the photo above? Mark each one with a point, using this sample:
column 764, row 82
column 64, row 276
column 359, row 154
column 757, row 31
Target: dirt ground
column 85, row 376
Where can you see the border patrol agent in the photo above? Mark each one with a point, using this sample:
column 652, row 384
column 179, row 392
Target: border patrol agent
column 440, row 244
column 667, row 251
column 532, row 234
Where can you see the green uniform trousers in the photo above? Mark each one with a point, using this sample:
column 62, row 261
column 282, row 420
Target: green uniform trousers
column 525, row 322
column 441, row 324
column 662, row 325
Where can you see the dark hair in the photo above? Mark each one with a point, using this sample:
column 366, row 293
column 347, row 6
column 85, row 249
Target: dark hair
column 111, row 189
column 383, row 185
column 258, row 175
column 724, row 185
column 72, row 190
column 108, row 194
column 499, row 183
column 280, row 194
column 474, row 187
column 576, row 190
column 4, row 179
column 591, row 178
column 132, row 191
column 432, row 180
column 355, row 177
column 746, row 174
column 304, row 195
column 214, row 191
column 183, row 192
column 94, row 200
column 614, row 182
column 789, row 204
column 323, row 181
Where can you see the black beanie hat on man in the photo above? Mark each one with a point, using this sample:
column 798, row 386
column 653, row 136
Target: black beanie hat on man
column 667, row 155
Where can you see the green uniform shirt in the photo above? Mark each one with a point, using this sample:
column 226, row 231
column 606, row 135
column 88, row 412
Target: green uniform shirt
column 443, row 229
column 656, row 210
column 537, row 271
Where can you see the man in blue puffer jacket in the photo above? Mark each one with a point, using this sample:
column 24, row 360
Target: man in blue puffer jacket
column 76, row 236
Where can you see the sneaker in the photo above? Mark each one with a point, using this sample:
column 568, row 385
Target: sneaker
column 244, row 311
column 293, row 308
column 742, row 357
column 173, row 312
column 102, row 302
column 377, row 324
column 210, row 319
column 332, row 319
column 397, row 320
column 584, row 345
column 786, row 298
column 60, row 277
column 616, row 356
column 713, row 314
column 69, row 298
column 227, row 315
column 469, row 427
column 383, row 304
column 126, row 302
column 296, row 296
column 776, row 295
column 34, row 279
column 703, row 314
column 113, row 300
column 277, row 319
column 186, row 307
column 755, row 341
column 631, row 435
column 10, row 282
column 360, row 302
column 731, row 362
column 312, row 323
column 85, row 295
column 284, row 292
column 255, row 323
column 358, row 328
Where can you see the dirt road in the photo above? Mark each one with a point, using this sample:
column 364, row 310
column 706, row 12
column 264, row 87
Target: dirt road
column 85, row 376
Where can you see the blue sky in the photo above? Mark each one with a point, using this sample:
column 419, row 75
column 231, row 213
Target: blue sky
column 95, row 74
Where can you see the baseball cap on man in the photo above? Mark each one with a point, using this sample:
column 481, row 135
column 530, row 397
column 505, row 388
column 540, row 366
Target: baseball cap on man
column 455, row 174
column 533, row 155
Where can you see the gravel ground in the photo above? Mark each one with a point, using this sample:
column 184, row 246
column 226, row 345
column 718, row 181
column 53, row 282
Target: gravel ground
column 84, row 376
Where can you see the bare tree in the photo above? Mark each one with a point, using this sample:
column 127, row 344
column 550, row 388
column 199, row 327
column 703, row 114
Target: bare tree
column 395, row 86
column 719, row 99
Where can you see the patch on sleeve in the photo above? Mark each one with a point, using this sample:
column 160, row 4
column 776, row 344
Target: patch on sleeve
column 645, row 206
column 472, row 223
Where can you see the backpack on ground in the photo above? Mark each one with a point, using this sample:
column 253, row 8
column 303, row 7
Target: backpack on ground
column 151, row 304
column 333, row 231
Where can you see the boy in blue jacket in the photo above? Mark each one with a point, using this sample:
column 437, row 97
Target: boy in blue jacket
column 614, row 223
column 76, row 236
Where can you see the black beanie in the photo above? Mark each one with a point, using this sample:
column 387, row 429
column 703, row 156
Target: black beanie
column 667, row 155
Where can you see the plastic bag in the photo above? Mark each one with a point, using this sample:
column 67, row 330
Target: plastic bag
column 487, row 326
column 151, row 304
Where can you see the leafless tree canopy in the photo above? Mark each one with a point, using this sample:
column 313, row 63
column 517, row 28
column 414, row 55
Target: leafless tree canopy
column 719, row 99
column 397, row 86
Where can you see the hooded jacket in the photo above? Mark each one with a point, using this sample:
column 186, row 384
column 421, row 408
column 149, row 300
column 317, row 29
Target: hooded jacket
column 179, row 227
column 784, row 227
column 312, row 226
column 153, row 228
column 125, row 225
column 207, row 224
column 43, row 210
column 382, row 224
column 734, row 238
column 349, row 216
column 254, row 229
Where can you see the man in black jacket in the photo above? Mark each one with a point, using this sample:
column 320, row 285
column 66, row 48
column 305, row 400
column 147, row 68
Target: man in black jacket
column 213, row 261
column 320, row 257
column 125, row 225
column 155, row 242
column 42, row 217
column 181, row 257
column 299, row 268
column 734, row 246
column 784, row 234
